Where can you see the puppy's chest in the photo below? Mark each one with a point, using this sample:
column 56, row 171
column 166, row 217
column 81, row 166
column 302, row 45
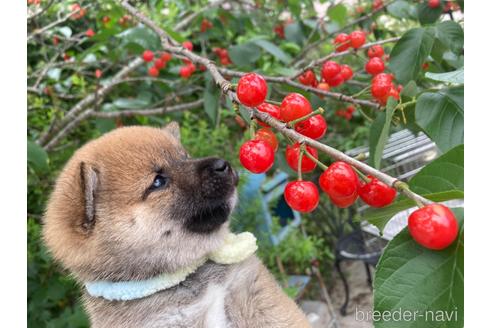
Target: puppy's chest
column 207, row 311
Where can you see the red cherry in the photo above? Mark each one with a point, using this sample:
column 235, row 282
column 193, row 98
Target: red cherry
column 251, row 90
column 166, row 56
column 314, row 127
column 375, row 51
column 343, row 42
column 256, row 156
column 56, row 40
column 433, row 3
column 330, row 69
column 273, row 110
column 188, row 45
column 147, row 56
column 377, row 4
column 341, row 183
column 159, row 63
column 187, row 70
column 98, row 73
column 267, row 135
column 380, row 89
column 375, row 66
column 336, row 80
column 301, row 196
column 346, row 72
column 279, row 30
column 153, row 71
column 382, row 77
column 433, row 226
column 357, row 39
column 206, row 24
column 308, row 78
column 393, row 92
column 294, row 106
column 324, row 86
column 425, row 66
column 376, row 194
column 90, row 33
column 292, row 157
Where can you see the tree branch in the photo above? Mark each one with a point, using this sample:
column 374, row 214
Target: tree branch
column 266, row 118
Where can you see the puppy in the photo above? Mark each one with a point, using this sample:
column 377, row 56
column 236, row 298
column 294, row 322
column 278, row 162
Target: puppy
column 132, row 206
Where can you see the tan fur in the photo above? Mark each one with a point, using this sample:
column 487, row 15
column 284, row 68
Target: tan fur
column 101, row 224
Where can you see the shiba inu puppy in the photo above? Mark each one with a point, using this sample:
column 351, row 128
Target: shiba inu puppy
column 135, row 219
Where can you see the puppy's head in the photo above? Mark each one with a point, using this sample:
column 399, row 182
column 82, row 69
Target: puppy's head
column 133, row 204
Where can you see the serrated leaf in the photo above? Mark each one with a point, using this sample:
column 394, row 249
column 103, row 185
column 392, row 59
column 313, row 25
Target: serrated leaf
column 428, row 15
column 410, row 52
column 444, row 173
column 338, row 13
column 441, row 116
column 273, row 50
column 211, row 105
column 456, row 77
column 451, row 34
column 412, row 278
column 244, row 54
column 37, row 157
column 378, row 136
column 142, row 36
column 294, row 33
column 402, row 9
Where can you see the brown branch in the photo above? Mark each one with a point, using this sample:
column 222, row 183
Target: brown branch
column 72, row 114
column 51, row 25
column 150, row 111
column 266, row 118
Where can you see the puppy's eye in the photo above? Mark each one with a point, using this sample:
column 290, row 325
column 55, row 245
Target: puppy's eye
column 159, row 182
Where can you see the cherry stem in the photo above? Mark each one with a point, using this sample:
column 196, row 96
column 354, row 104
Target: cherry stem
column 405, row 189
column 360, row 92
column 252, row 128
column 362, row 175
column 302, row 150
column 314, row 159
column 273, row 102
column 305, row 117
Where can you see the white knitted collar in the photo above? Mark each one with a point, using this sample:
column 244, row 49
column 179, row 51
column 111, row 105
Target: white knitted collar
column 236, row 248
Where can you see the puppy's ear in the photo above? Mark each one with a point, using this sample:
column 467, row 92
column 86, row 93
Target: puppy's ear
column 89, row 182
column 173, row 129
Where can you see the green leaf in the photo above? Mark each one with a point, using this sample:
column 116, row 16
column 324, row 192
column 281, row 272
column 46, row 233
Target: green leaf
column 456, row 77
column 294, row 33
column 402, row 9
column 273, row 50
column 440, row 180
column 338, row 13
column 451, row 34
column 410, row 52
column 244, row 54
column 65, row 31
column 142, row 36
column 412, row 278
column 104, row 125
column 444, row 173
column 37, row 157
column 378, row 136
column 410, row 89
column 441, row 116
column 380, row 216
column 211, row 104
column 428, row 15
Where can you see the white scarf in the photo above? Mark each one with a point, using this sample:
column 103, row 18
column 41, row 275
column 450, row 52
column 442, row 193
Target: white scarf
column 236, row 248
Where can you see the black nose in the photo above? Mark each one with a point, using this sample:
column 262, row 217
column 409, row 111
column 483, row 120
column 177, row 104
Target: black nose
column 220, row 166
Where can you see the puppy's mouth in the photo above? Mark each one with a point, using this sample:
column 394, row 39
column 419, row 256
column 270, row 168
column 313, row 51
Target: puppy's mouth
column 209, row 218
